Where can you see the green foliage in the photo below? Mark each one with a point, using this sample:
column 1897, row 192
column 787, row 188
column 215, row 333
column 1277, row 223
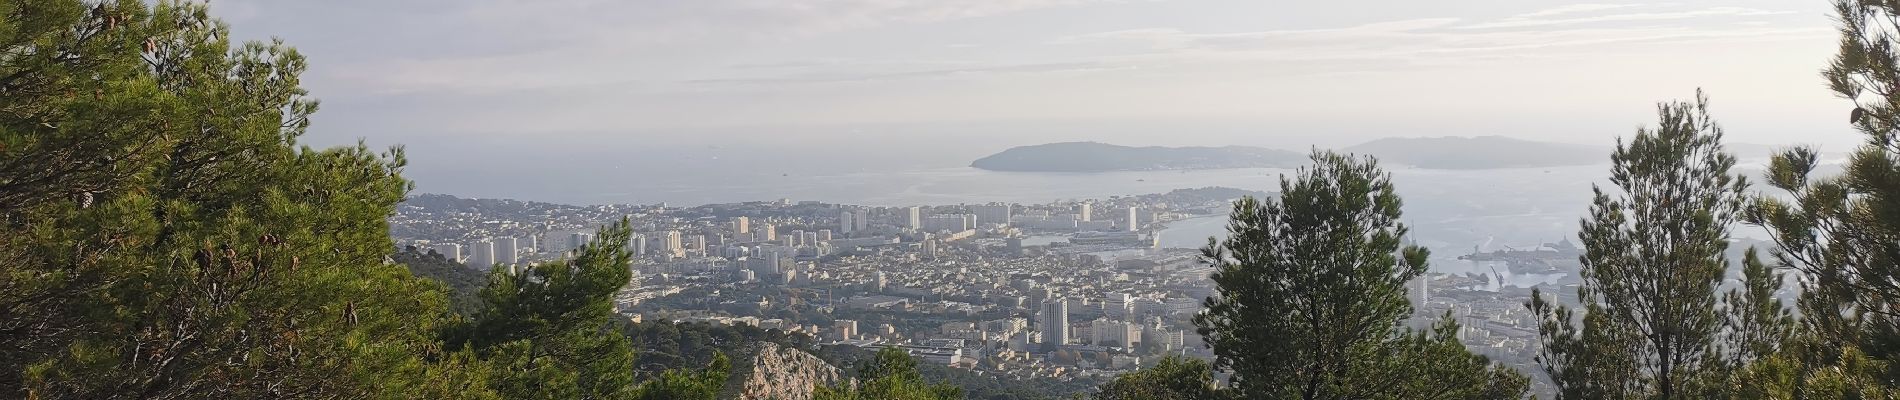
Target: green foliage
column 1311, row 290
column 550, row 330
column 1843, row 232
column 1756, row 321
column 1174, row 378
column 166, row 238
column 890, row 375
column 975, row 385
column 462, row 284
column 1653, row 257
column 676, row 384
column 668, row 345
column 1432, row 365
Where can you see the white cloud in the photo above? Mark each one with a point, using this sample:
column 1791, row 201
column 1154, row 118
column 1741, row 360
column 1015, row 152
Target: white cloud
column 1522, row 21
column 566, row 43
column 1403, row 43
column 1574, row 9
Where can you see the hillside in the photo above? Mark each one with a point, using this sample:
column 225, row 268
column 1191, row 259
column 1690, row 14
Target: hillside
column 1102, row 157
column 464, row 283
column 1482, row 152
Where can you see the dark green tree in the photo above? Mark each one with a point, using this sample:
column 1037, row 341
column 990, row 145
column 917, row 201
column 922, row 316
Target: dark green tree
column 676, row 384
column 551, row 331
column 1842, row 233
column 165, row 236
column 1310, row 287
column 1433, row 364
column 1653, row 257
column 891, row 374
column 1758, row 324
column 1174, row 378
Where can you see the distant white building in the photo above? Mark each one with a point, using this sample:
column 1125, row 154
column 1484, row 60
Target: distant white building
column 451, row 251
column 671, row 245
column 507, row 250
column 991, row 214
column 1054, row 319
column 913, row 217
column 481, row 256
column 1115, row 333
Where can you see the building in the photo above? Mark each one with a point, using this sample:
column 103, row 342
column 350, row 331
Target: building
column 991, row 214
column 1116, row 305
column 481, row 256
column 637, row 244
column 847, row 222
column 1108, row 332
column 451, row 251
column 950, row 222
column 765, row 233
column 1054, row 319
column 913, row 217
column 577, row 239
column 696, row 243
column 1134, row 219
column 671, row 244
column 824, row 235
column 936, row 355
column 740, row 225
column 1083, row 212
column 844, row 329
column 507, row 250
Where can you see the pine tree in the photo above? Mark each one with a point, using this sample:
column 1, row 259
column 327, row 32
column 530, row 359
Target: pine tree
column 1653, row 257
column 165, row 237
column 1174, row 378
column 891, row 374
column 550, row 330
column 1757, row 322
column 1310, row 291
column 1842, row 233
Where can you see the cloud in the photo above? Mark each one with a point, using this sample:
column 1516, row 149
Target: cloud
column 1533, row 21
column 538, row 44
column 1407, row 42
column 970, row 71
column 1574, row 9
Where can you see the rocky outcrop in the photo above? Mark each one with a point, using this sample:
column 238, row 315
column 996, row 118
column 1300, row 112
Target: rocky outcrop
column 779, row 373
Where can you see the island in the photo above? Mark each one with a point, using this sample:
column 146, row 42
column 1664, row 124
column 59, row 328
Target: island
column 1482, row 152
column 1102, row 157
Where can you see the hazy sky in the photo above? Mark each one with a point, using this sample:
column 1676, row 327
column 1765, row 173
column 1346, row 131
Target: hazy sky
column 1285, row 73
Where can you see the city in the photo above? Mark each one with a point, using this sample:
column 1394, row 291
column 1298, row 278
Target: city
column 1069, row 290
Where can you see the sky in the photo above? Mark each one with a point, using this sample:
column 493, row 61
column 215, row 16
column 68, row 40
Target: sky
column 950, row 80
